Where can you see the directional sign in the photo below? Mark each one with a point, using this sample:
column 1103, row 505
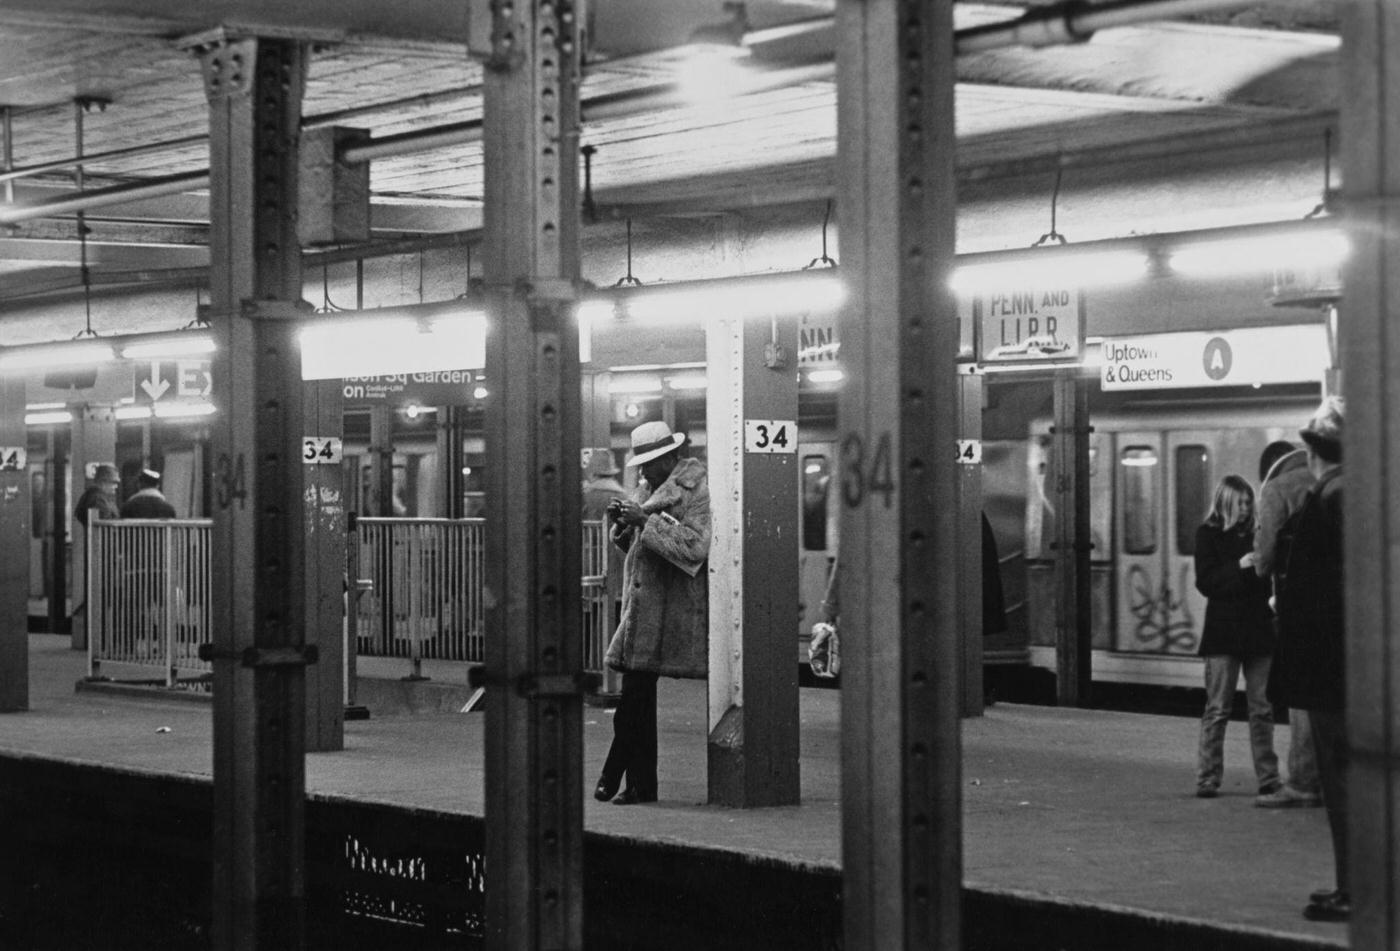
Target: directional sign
column 1247, row 357
column 170, row 380
column 1031, row 323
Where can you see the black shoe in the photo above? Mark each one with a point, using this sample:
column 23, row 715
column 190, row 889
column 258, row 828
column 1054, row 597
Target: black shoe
column 1322, row 894
column 1335, row 907
column 606, row 788
column 630, row 797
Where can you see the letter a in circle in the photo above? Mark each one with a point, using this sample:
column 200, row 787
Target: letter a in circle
column 1217, row 358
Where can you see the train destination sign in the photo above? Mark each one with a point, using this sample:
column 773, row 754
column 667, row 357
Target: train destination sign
column 1247, row 357
column 430, row 388
column 1029, row 324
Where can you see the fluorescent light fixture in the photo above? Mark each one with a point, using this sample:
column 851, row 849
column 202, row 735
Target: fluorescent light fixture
column 743, row 297
column 52, row 418
column 825, row 376
column 42, row 407
column 72, row 353
column 639, row 383
column 396, row 342
column 711, row 73
column 132, row 412
column 1052, row 268
column 178, row 344
column 1246, row 254
column 687, row 381
column 183, row 410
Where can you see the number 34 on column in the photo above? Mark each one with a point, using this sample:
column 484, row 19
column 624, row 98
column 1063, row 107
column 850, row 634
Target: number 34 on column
column 770, row 435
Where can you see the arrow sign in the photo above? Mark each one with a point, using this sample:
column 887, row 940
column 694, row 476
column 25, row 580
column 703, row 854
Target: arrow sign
column 171, row 379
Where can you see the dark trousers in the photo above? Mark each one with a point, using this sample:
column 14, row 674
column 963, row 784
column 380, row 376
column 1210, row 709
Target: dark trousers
column 633, row 751
column 1330, row 735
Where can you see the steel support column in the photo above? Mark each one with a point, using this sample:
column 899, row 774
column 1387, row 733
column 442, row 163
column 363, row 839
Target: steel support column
column 534, row 702
column 900, row 743
column 254, row 87
column 94, row 441
column 1370, row 371
column 323, row 517
column 971, row 396
column 753, row 699
column 14, row 537
column 1073, row 626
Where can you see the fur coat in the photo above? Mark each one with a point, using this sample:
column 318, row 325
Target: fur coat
column 664, row 628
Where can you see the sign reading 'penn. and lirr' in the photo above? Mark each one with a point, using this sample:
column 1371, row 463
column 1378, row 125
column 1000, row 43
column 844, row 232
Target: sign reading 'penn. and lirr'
column 1248, row 357
column 1029, row 324
column 162, row 381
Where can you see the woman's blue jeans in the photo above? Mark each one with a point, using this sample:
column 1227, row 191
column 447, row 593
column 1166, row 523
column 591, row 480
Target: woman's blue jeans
column 1222, row 673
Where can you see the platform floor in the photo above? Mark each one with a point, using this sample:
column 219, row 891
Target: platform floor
column 1088, row 806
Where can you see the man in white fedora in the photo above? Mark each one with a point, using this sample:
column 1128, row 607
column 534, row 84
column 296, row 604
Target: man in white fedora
column 665, row 531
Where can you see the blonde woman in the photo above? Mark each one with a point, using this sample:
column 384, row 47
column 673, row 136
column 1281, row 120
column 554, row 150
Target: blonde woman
column 1238, row 635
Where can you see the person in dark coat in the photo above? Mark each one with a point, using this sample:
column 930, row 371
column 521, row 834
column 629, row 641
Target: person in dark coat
column 100, row 495
column 1283, row 471
column 1238, row 634
column 148, row 502
column 1310, row 664
column 664, row 628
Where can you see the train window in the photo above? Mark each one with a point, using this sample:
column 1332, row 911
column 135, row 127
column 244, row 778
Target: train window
column 1139, row 464
column 816, row 485
column 1192, row 494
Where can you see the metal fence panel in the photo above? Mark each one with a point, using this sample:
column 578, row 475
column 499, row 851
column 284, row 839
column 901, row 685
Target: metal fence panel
column 148, row 595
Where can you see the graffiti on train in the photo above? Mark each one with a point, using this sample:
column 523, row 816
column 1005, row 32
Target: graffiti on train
column 1163, row 620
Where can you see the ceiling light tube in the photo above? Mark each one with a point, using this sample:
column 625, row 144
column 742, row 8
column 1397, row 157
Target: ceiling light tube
column 1317, row 249
column 75, row 353
column 53, row 418
column 1053, row 268
column 183, row 410
column 179, row 344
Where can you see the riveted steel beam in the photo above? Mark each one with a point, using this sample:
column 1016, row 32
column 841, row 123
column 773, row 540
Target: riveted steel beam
column 534, row 737
column 254, row 87
column 900, row 557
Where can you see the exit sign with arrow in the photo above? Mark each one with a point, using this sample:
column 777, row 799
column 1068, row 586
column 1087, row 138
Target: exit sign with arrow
column 168, row 380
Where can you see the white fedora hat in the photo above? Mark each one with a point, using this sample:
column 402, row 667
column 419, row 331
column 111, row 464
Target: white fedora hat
column 650, row 440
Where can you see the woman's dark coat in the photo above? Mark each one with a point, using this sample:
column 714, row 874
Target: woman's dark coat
column 1310, row 664
column 1238, row 620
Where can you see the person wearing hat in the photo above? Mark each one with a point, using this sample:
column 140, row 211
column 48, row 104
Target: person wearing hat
column 1309, row 671
column 101, row 495
column 148, row 502
column 600, row 485
column 664, row 529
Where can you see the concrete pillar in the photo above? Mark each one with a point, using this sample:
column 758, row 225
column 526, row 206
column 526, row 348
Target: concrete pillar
column 900, row 676
column 94, row 430
column 14, row 536
column 751, row 428
column 534, row 659
column 1370, row 369
column 254, row 87
column 381, row 462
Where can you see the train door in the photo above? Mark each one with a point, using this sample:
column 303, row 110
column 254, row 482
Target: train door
column 817, row 536
column 1164, row 482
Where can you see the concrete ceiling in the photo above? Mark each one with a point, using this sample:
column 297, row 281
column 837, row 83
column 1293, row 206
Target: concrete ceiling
column 1155, row 127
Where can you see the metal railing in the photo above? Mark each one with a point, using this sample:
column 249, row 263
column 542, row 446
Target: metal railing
column 148, row 595
column 423, row 581
column 419, row 583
